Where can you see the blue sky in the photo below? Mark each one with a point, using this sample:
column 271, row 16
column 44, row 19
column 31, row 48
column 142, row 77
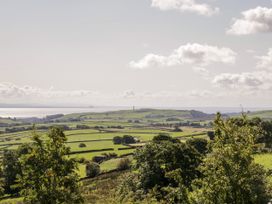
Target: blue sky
column 144, row 52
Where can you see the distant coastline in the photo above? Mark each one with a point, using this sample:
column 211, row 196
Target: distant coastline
column 42, row 111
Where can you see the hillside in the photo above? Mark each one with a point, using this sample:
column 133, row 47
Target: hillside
column 144, row 114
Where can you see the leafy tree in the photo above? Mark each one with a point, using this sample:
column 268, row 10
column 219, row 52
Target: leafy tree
column 164, row 137
column 48, row 174
column 229, row 172
column 128, row 139
column 266, row 135
column 200, row 144
column 2, row 190
column 92, row 169
column 117, row 140
column 124, row 164
column 11, row 168
column 211, row 135
column 165, row 166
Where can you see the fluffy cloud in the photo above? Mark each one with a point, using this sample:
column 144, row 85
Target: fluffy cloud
column 244, row 81
column 195, row 54
column 258, row 20
column 202, row 72
column 185, row 5
column 265, row 62
column 9, row 90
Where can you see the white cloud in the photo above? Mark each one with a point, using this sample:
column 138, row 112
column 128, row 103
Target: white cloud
column 258, row 20
column 195, row 54
column 202, row 72
column 201, row 93
column 244, row 81
column 9, row 90
column 129, row 94
column 185, row 6
column 265, row 62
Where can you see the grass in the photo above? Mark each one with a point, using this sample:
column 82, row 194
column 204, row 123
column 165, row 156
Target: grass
column 93, row 145
column 264, row 159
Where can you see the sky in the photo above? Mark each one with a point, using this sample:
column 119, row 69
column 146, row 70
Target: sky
column 163, row 53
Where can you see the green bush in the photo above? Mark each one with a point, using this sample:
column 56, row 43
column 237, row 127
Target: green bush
column 92, row 169
column 124, row 164
column 81, row 145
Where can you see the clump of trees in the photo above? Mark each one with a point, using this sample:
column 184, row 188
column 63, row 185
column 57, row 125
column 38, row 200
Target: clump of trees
column 126, row 139
column 81, row 126
column 200, row 144
column 200, row 171
column 230, row 174
column 47, row 173
column 162, row 166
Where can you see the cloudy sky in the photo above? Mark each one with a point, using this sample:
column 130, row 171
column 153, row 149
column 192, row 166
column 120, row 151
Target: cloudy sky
column 178, row 53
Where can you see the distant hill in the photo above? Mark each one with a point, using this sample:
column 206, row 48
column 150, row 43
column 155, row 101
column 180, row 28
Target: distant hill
column 145, row 114
column 267, row 114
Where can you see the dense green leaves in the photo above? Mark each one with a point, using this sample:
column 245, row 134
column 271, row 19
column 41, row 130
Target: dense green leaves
column 48, row 175
column 229, row 172
column 165, row 168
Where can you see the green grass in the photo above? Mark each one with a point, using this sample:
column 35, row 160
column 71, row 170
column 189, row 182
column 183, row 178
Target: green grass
column 264, row 159
column 110, row 164
column 90, row 155
column 94, row 145
column 12, row 200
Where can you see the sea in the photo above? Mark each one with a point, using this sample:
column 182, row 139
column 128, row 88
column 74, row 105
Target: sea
column 42, row 112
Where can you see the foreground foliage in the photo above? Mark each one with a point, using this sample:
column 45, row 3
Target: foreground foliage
column 229, row 172
column 48, row 175
column 223, row 171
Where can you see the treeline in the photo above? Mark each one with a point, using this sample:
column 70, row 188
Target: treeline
column 40, row 127
column 183, row 123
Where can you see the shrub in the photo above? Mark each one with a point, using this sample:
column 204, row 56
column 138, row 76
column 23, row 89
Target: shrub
column 81, row 160
column 124, row 164
column 81, row 145
column 128, row 139
column 200, row 144
column 92, row 169
column 177, row 129
column 117, row 140
column 99, row 159
column 110, row 155
column 211, row 135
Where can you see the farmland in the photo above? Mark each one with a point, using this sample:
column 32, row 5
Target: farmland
column 91, row 135
column 97, row 130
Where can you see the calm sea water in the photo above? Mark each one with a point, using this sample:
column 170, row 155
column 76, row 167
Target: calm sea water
column 42, row 112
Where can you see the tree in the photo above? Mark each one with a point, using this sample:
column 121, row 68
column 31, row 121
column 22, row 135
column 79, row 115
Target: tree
column 48, row 174
column 124, row 164
column 2, row 190
column 117, row 140
column 92, row 169
column 229, row 172
column 177, row 129
column 128, row 139
column 200, row 144
column 211, row 135
column 266, row 127
column 164, row 167
column 11, row 168
column 164, row 137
